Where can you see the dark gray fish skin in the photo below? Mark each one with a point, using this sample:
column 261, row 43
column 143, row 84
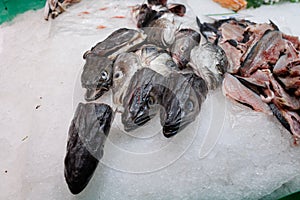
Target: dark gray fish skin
column 142, row 97
column 181, row 102
column 121, row 40
column 87, row 134
column 185, row 41
column 177, row 96
column 96, row 77
column 145, row 15
column 279, row 116
column 289, row 119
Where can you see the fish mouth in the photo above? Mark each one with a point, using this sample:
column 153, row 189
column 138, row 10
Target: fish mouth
column 93, row 94
column 170, row 130
column 140, row 121
column 181, row 62
column 132, row 125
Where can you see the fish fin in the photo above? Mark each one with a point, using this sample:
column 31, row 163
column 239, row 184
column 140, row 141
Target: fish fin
column 274, row 25
column 201, row 27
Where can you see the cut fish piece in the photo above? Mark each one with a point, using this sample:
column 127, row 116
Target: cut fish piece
column 234, row 89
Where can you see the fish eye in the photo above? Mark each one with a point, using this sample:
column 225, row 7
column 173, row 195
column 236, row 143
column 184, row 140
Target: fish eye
column 220, row 69
column 151, row 101
column 189, row 105
column 104, row 75
column 171, row 64
column 118, row 74
column 183, row 48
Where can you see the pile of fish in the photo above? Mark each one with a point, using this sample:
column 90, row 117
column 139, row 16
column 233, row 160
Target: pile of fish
column 159, row 68
column 166, row 67
column 264, row 68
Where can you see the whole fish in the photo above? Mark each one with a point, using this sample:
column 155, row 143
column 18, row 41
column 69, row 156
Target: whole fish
column 87, row 134
column 96, row 77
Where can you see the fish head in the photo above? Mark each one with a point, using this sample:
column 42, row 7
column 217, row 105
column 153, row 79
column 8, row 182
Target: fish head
column 209, row 62
column 161, row 31
column 141, row 100
column 157, row 59
column 182, row 104
column 96, row 77
column 185, row 41
column 144, row 15
column 124, row 68
column 87, row 135
column 121, row 40
column 219, row 63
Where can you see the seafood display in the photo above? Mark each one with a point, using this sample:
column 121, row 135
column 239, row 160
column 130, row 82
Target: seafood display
column 157, row 69
column 166, row 68
column 263, row 69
